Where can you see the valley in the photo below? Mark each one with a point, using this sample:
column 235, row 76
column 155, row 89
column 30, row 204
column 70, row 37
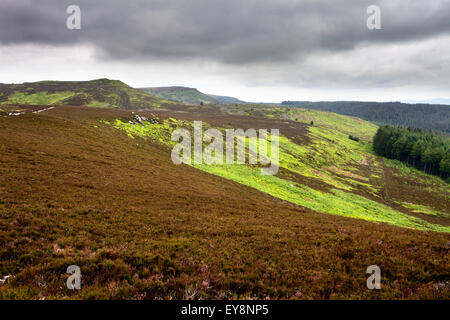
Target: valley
column 94, row 187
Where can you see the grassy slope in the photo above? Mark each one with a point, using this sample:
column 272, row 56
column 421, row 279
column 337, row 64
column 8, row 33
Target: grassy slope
column 351, row 178
column 181, row 94
column 425, row 116
column 226, row 99
column 97, row 93
column 74, row 190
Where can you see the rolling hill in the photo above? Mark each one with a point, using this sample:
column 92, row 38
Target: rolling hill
column 96, row 187
column 180, row 94
column 424, row 116
column 430, row 101
column 226, row 99
column 103, row 93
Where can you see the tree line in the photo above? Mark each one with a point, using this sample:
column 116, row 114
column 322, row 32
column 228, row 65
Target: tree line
column 425, row 116
column 425, row 150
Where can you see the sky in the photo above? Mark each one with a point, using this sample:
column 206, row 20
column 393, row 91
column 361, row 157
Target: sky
column 255, row 50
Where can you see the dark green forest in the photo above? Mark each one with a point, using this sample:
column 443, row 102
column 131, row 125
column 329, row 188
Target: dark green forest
column 425, row 116
column 425, row 150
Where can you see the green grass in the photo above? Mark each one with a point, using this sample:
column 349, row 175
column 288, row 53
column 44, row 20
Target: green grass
column 335, row 202
column 100, row 104
column 101, row 93
column 39, row 98
column 403, row 169
column 180, row 94
column 79, row 191
column 160, row 132
column 330, row 157
column 424, row 209
column 336, row 122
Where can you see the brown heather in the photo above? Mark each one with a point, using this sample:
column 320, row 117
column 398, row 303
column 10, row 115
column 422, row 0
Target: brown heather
column 142, row 228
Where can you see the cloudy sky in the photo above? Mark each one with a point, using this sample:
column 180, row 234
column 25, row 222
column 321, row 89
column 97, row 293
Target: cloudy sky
column 256, row 50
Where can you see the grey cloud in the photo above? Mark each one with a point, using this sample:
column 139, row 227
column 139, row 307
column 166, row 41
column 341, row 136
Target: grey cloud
column 234, row 32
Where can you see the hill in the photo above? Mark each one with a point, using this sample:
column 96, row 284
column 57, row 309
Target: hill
column 97, row 188
column 430, row 101
column 181, row 94
column 103, row 93
column 226, row 99
column 424, row 116
column 323, row 169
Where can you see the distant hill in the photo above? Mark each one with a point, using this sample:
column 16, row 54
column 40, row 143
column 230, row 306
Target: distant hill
column 180, row 94
column 96, row 93
column 225, row 99
column 431, row 101
column 425, row 116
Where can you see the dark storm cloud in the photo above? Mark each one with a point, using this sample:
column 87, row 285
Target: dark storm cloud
column 241, row 31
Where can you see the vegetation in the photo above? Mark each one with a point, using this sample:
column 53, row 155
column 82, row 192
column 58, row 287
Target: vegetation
column 334, row 202
column 329, row 158
column 84, row 186
column 97, row 93
column 425, row 116
column 39, row 98
column 181, row 94
column 424, row 150
column 332, row 121
column 225, row 99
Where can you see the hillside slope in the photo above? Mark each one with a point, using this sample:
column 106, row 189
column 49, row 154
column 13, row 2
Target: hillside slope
column 84, row 186
column 181, row 94
column 103, row 93
column 322, row 169
column 226, row 99
column 425, row 116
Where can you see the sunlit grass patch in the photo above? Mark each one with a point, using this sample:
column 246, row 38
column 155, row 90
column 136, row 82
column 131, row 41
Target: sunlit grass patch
column 434, row 183
column 328, row 149
column 100, row 104
column 160, row 131
column 424, row 209
column 39, row 98
column 336, row 202
column 330, row 157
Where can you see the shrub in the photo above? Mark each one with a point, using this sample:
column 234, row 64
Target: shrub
column 353, row 138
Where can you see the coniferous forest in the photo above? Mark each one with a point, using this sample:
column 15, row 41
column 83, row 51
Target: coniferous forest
column 425, row 116
column 425, row 150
